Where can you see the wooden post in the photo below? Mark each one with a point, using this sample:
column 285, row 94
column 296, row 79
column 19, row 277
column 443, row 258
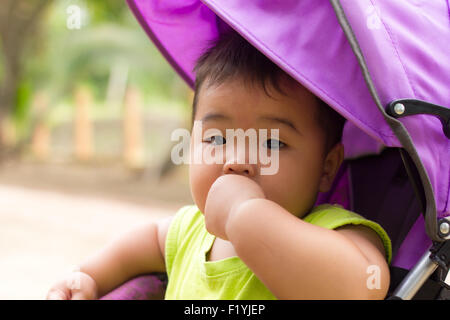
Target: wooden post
column 82, row 125
column 8, row 134
column 132, row 129
column 40, row 143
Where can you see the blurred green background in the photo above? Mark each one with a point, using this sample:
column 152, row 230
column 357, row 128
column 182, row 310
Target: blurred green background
column 46, row 59
column 87, row 107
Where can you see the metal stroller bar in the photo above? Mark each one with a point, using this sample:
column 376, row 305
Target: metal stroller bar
column 437, row 257
column 415, row 278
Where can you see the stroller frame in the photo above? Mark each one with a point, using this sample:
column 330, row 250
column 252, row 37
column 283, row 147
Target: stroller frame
column 438, row 255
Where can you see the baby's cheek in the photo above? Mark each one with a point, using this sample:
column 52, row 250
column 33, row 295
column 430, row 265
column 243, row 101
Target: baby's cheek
column 292, row 189
column 201, row 178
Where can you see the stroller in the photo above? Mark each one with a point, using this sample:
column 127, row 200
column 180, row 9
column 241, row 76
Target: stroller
column 384, row 66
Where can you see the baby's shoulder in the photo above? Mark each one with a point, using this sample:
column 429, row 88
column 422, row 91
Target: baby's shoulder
column 334, row 216
column 188, row 217
column 188, row 213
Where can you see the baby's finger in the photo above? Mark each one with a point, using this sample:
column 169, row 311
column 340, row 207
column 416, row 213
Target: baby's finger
column 79, row 295
column 81, row 286
column 57, row 295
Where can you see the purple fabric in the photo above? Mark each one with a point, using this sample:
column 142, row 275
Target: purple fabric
column 144, row 287
column 182, row 29
column 405, row 44
column 413, row 247
column 357, row 143
column 407, row 57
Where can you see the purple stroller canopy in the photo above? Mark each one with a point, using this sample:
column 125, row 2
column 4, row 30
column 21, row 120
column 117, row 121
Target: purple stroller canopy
column 358, row 56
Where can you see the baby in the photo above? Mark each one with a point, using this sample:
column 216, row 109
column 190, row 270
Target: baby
column 249, row 235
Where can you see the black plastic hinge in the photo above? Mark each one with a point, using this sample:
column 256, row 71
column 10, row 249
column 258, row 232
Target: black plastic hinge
column 440, row 254
column 407, row 107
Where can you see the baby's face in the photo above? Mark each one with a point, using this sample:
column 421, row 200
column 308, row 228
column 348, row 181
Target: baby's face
column 303, row 168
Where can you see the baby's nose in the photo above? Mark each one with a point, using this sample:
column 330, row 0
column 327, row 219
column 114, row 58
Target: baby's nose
column 245, row 169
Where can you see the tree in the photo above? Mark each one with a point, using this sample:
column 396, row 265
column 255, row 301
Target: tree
column 42, row 53
column 19, row 25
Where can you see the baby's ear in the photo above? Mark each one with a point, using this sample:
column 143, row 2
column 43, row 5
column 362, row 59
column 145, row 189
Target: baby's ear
column 331, row 166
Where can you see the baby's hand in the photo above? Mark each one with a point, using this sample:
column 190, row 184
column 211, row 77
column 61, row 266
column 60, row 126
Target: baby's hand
column 224, row 196
column 75, row 286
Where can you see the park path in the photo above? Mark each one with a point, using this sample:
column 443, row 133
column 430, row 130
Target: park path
column 43, row 233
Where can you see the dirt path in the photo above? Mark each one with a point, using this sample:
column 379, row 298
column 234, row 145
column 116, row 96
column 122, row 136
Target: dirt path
column 44, row 231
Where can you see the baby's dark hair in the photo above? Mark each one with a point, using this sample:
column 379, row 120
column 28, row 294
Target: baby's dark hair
column 232, row 56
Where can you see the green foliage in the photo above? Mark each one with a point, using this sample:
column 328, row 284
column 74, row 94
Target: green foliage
column 109, row 36
column 20, row 114
column 102, row 11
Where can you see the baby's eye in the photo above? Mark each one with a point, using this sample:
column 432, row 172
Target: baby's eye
column 216, row 140
column 274, row 144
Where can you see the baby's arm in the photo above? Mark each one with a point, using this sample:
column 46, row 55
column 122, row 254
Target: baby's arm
column 138, row 251
column 293, row 258
column 298, row 260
